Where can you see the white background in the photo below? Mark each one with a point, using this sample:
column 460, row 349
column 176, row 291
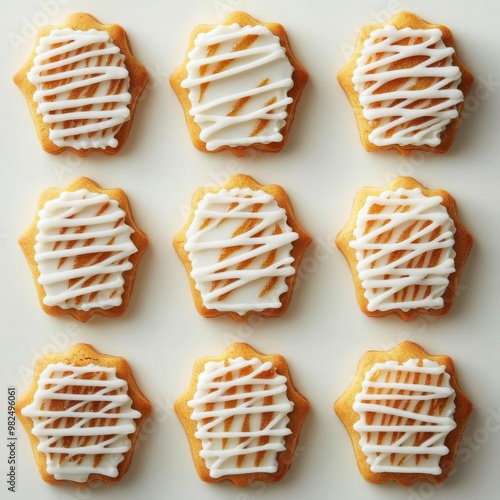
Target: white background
column 323, row 334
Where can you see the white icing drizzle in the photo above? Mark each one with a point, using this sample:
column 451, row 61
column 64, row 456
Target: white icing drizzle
column 241, row 415
column 407, row 115
column 82, row 416
column 404, row 250
column 406, row 412
column 81, row 88
column 240, row 244
column 238, row 79
column 82, row 250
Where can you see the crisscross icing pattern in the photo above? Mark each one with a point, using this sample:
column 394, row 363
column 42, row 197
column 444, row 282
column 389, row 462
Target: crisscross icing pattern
column 238, row 79
column 82, row 249
column 240, row 244
column 240, row 407
column 406, row 411
column 82, row 416
column 407, row 85
column 404, row 250
column 81, row 88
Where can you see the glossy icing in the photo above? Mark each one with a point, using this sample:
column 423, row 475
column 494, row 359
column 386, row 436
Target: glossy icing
column 406, row 411
column 240, row 244
column 82, row 417
column 82, row 249
column 238, row 79
column 404, row 250
column 399, row 112
column 240, row 408
column 81, row 88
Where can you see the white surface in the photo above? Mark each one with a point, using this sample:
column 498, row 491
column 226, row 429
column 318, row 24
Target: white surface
column 323, row 334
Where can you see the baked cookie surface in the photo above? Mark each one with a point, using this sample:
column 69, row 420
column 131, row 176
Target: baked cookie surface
column 83, row 249
column 406, row 85
column 406, row 249
column 82, row 84
column 405, row 414
column 83, row 414
column 242, row 415
column 241, row 247
column 239, row 85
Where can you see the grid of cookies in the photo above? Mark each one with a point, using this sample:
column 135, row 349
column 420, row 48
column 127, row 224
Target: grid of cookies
column 242, row 245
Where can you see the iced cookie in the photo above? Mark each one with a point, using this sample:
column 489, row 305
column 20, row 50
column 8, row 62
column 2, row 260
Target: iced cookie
column 82, row 414
column 405, row 414
column 241, row 247
column 406, row 249
column 83, row 249
column 82, row 84
column 242, row 415
column 406, row 85
column 239, row 85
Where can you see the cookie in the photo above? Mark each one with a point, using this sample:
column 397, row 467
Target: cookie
column 406, row 249
column 82, row 84
column 239, row 85
column 405, row 415
column 242, row 416
column 406, row 85
column 241, row 247
column 83, row 414
column 83, row 249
